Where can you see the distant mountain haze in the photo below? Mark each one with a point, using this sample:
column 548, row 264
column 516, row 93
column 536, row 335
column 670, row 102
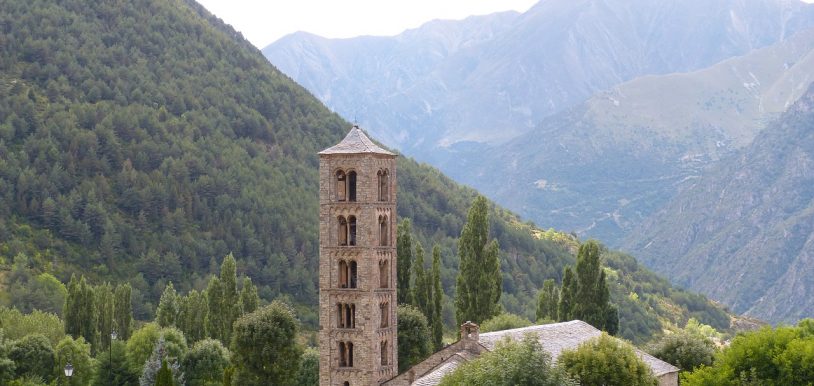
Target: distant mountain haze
column 744, row 232
column 490, row 78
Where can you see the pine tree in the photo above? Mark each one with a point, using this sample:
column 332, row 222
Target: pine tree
column 479, row 282
column 123, row 312
column 437, row 294
column 404, row 253
column 167, row 313
column 547, row 301
column 164, row 375
column 565, row 306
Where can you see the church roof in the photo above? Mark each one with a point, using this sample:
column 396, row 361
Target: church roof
column 554, row 338
column 356, row 142
column 557, row 337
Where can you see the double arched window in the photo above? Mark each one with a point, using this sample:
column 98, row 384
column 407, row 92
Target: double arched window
column 345, row 354
column 346, row 233
column 384, row 184
column 345, row 186
column 346, row 315
column 347, row 274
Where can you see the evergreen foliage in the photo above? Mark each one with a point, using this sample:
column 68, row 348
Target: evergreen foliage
column 606, row 361
column 413, row 336
column 123, row 311
column 7, row 366
column 591, row 296
column 264, row 346
column 436, row 323
column 479, row 282
column 164, row 375
column 248, row 296
column 193, row 316
column 161, row 356
column 547, row 300
column 104, row 298
column 404, row 254
column 422, row 289
column 80, row 311
column 511, row 363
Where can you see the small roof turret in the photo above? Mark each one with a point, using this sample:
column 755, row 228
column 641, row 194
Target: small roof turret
column 356, row 142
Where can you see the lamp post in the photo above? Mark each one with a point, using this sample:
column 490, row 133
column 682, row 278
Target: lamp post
column 68, row 371
column 113, row 336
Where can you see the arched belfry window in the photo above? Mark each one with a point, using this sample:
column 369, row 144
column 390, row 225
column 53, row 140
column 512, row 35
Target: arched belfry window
column 345, row 315
column 352, row 186
column 347, row 274
column 341, row 186
column 342, row 231
column 384, row 274
column 384, row 184
column 384, row 230
column 351, row 230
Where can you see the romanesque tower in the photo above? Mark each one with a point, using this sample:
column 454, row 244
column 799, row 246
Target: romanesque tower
column 357, row 263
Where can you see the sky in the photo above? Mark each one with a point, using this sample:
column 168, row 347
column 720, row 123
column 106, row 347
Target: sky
column 264, row 21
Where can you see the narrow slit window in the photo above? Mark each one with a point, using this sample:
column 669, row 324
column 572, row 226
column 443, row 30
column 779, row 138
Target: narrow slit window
column 352, row 232
column 341, row 186
column 384, row 274
column 342, row 232
column 352, row 274
column 352, row 186
column 343, row 274
column 383, row 231
column 384, row 355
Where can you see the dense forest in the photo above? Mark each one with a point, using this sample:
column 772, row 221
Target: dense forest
column 141, row 141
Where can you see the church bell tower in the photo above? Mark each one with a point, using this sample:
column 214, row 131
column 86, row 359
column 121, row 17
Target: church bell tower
column 357, row 263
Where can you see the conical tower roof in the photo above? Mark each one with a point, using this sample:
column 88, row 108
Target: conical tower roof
column 356, row 142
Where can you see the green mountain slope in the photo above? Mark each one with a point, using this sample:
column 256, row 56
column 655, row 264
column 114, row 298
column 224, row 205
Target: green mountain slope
column 143, row 140
column 742, row 233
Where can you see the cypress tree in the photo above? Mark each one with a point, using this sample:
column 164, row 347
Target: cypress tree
column 437, row 294
column 565, row 306
column 164, row 376
column 167, row 313
column 479, row 280
column 547, row 301
column 123, row 311
column 404, row 253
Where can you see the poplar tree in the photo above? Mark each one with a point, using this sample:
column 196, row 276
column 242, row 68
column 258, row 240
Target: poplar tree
column 80, row 311
column 404, row 253
column 167, row 312
column 248, row 296
column 230, row 306
column 592, row 300
column 567, row 293
column 214, row 297
column 103, row 296
column 437, row 294
column 478, row 286
column 421, row 298
column 547, row 301
column 193, row 317
column 123, row 311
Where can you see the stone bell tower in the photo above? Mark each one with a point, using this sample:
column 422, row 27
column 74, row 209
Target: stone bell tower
column 357, row 263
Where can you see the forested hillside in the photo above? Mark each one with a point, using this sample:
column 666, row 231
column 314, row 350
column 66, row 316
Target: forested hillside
column 144, row 140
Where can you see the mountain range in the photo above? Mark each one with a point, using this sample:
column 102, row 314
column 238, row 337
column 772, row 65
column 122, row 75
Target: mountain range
column 586, row 116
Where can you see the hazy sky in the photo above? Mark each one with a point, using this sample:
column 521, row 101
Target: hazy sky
column 264, row 21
